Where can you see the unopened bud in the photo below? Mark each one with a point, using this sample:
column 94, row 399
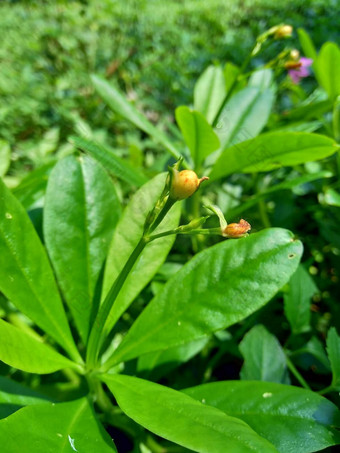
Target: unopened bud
column 283, row 31
column 293, row 64
column 294, row 54
column 237, row 230
column 184, row 184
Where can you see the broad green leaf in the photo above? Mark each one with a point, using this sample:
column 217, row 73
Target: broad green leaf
column 310, row 126
column 118, row 103
column 198, row 134
column 24, row 352
column 26, row 277
column 209, row 92
column 273, row 150
column 157, row 364
column 5, row 157
column 264, row 359
column 309, row 110
column 333, row 351
column 230, row 72
column 307, row 44
column 80, row 214
column 262, row 78
column 51, row 428
column 327, row 65
column 217, row 288
column 295, row 420
column 126, row 236
column 113, row 164
column 244, row 116
column 297, row 300
column 183, row 420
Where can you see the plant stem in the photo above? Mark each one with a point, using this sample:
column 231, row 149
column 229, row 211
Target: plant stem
column 295, row 372
column 328, row 389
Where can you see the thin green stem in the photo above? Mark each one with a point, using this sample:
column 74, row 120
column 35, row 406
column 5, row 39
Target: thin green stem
column 166, row 208
column 328, row 389
column 104, row 311
column 295, row 372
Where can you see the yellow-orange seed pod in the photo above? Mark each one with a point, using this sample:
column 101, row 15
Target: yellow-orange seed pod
column 283, row 31
column 184, row 184
column 237, row 230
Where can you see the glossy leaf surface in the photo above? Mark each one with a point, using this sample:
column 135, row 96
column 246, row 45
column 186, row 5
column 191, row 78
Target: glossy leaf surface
column 81, row 212
column 24, row 352
column 127, row 235
column 295, row 420
column 217, row 288
column 26, row 277
column 273, row 150
column 183, row 420
column 51, row 428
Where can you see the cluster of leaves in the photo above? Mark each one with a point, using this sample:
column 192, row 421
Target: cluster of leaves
column 208, row 346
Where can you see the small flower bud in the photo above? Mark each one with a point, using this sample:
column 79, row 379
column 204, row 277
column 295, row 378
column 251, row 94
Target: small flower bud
column 294, row 54
column 184, row 184
column 237, row 230
column 293, row 64
column 283, row 31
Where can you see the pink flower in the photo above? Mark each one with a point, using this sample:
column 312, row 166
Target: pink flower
column 299, row 69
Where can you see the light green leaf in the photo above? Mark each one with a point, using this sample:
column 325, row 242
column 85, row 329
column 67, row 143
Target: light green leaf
column 264, row 359
column 126, row 236
column 157, row 364
column 217, row 288
column 263, row 78
column 331, row 197
column 80, row 214
column 333, row 351
column 244, row 116
column 112, row 163
column 26, row 277
column 183, row 420
column 273, row 150
column 231, row 72
column 307, row 44
column 297, row 300
column 118, row 103
column 51, row 428
column 209, row 92
column 295, row 420
column 198, row 134
column 327, row 69
column 5, row 157
column 24, row 352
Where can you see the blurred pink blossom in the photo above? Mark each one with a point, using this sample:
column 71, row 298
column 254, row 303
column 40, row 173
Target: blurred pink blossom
column 302, row 70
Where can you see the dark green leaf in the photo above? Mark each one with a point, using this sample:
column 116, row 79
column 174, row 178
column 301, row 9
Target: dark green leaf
column 81, row 212
column 307, row 44
column 183, row 420
column 297, row 300
column 333, row 351
column 26, row 277
column 264, row 359
column 295, row 420
column 51, row 428
column 217, row 288
column 5, row 157
column 273, row 150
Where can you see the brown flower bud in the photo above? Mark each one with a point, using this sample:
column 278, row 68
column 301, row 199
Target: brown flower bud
column 184, row 184
column 283, row 31
column 293, row 64
column 237, row 230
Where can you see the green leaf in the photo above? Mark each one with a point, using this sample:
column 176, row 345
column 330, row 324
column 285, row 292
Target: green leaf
column 307, row 44
column 297, row 300
column 217, row 288
column 331, row 197
column 273, row 150
column 157, row 364
column 209, row 92
column 327, row 69
column 24, row 352
column 230, row 72
column 183, row 420
column 333, row 351
column 262, row 78
column 244, row 116
column 295, row 420
column 264, row 359
column 80, row 214
column 118, row 103
column 126, row 236
column 5, row 157
column 112, row 163
column 11, row 392
column 26, row 277
column 198, row 134
column 49, row 428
